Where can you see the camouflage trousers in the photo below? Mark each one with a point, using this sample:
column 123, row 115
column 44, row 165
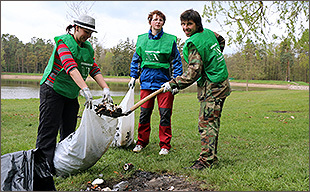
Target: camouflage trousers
column 208, row 126
column 211, row 107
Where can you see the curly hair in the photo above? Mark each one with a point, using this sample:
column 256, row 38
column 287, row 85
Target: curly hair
column 192, row 15
column 159, row 13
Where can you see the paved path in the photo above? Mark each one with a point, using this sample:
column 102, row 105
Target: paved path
column 292, row 87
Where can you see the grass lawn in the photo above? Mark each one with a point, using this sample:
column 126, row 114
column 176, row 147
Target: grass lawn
column 263, row 142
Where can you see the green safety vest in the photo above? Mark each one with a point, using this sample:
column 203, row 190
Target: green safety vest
column 213, row 59
column 83, row 56
column 155, row 53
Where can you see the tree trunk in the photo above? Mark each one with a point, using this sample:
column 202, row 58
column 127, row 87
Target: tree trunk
column 288, row 71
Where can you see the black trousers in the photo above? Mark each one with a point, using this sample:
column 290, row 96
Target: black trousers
column 57, row 113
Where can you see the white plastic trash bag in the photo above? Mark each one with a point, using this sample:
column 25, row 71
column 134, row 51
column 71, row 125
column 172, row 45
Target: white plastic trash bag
column 84, row 147
column 125, row 129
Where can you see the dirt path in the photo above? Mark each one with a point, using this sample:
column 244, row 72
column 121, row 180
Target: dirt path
column 292, row 87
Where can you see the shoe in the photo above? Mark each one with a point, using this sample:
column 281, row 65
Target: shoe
column 163, row 151
column 137, row 148
column 199, row 165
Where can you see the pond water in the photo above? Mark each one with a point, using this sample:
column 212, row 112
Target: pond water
column 13, row 89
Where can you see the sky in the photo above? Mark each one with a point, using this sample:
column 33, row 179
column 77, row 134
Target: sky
column 115, row 20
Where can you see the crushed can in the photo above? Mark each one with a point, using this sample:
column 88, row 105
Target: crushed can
column 128, row 166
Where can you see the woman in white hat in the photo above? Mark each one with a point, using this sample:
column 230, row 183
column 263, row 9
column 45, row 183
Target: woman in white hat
column 71, row 62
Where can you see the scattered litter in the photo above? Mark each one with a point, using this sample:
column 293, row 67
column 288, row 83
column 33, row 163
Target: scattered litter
column 106, row 189
column 140, row 180
column 128, row 166
column 120, row 186
column 97, row 181
column 95, row 186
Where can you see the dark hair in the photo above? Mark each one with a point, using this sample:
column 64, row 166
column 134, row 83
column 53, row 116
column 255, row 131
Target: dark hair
column 159, row 13
column 68, row 29
column 192, row 15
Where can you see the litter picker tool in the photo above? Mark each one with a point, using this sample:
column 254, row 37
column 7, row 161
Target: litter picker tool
column 114, row 111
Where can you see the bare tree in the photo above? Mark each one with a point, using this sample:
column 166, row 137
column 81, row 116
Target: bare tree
column 78, row 8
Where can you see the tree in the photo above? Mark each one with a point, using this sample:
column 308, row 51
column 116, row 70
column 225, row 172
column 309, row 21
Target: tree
column 250, row 19
column 97, row 48
column 249, row 61
column 244, row 20
column 30, row 60
column 286, row 58
column 233, row 65
column 20, row 57
column 300, row 71
column 9, row 44
column 122, row 55
column 2, row 59
column 78, row 8
column 106, row 67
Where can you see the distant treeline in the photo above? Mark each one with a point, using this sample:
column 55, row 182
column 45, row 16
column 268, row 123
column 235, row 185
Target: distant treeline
column 284, row 61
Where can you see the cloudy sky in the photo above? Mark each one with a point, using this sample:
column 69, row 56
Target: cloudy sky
column 115, row 20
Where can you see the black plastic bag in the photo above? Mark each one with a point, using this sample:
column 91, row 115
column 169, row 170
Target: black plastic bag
column 26, row 171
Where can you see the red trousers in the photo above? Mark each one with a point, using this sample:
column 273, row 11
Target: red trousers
column 165, row 103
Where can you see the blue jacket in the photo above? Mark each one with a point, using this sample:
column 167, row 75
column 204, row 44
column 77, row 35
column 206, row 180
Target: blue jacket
column 154, row 78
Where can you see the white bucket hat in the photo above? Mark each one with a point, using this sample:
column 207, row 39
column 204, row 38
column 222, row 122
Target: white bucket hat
column 86, row 22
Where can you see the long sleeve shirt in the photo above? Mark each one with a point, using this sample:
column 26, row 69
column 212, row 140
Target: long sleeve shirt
column 153, row 78
column 194, row 70
column 64, row 60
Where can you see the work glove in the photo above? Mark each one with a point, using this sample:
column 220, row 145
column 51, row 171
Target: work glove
column 175, row 91
column 106, row 96
column 132, row 83
column 89, row 98
column 166, row 87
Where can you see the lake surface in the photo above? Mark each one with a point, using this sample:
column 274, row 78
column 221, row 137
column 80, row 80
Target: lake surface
column 12, row 89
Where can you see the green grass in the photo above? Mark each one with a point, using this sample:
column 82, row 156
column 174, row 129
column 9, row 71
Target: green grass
column 259, row 149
